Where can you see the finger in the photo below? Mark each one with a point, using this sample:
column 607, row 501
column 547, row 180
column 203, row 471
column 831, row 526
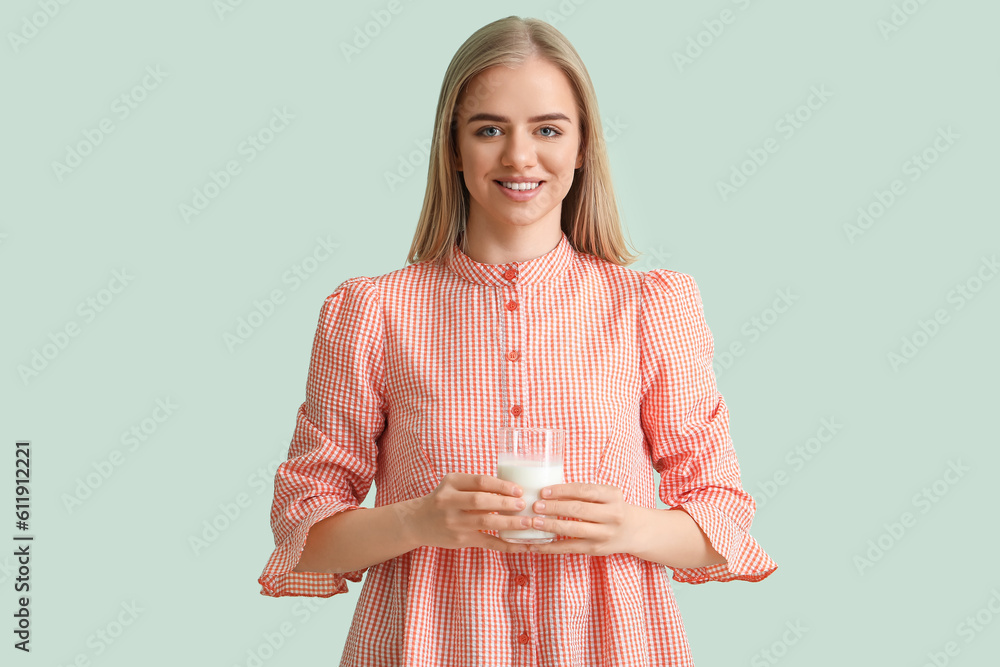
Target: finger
column 496, row 522
column 484, row 503
column 499, row 522
column 595, row 493
column 575, row 509
column 505, row 518
column 484, row 483
column 566, row 528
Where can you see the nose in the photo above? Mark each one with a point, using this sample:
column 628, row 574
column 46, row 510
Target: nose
column 519, row 150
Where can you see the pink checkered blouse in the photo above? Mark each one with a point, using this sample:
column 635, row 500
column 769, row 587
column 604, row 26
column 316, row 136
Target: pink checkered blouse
column 413, row 372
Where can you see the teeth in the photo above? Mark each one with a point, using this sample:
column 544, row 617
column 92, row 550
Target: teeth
column 519, row 186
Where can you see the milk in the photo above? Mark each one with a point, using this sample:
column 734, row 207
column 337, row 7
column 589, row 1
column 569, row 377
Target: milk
column 532, row 476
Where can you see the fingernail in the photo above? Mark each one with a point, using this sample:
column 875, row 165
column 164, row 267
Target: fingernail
column 519, row 504
column 525, row 521
column 546, row 493
column 540, row 506
column 539, row 522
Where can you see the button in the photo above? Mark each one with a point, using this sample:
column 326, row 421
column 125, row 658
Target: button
column 521, row 580
column 510, row 274
column 523, row 638
column 516, row 410
column 513, row 355
column 512, row 305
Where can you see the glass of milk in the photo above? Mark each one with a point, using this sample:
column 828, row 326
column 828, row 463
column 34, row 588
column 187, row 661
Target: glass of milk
column 532, row 458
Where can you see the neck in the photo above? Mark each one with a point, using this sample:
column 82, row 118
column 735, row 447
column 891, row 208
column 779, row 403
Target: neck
column 488, row 246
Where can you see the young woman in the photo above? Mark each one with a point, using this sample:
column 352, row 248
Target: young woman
column 516, row 309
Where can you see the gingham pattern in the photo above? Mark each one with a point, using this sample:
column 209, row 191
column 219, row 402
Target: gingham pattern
column 413, row 372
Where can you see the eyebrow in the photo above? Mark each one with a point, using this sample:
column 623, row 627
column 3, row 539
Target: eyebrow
column 503, row 119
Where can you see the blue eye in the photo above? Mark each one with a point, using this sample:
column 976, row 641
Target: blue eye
column 483, row 132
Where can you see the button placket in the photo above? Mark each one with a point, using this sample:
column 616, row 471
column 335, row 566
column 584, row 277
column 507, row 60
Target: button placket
column 521, row 594
column 520, row 597
column 511, row 275
column 514, row 328
column 523, row 608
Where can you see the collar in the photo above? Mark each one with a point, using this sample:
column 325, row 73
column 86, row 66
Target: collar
column 530, row 272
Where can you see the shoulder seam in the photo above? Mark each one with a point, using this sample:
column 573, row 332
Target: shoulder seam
column 372, row 285
column 385, row 359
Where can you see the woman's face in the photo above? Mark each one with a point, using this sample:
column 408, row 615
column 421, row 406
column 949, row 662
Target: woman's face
column 518, row 124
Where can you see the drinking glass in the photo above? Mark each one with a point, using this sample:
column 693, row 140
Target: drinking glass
column 532, row 458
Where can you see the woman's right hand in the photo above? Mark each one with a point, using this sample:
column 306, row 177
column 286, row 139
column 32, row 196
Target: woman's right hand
column 454, row 514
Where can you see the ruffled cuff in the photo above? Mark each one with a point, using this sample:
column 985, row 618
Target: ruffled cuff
column 745, row 559
column 278, row 578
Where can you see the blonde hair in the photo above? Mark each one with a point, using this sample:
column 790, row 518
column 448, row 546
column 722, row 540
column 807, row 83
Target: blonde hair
column 590, row 217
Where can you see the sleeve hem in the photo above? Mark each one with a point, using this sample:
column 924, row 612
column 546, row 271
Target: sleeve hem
column 279, row 579
column 745, row 559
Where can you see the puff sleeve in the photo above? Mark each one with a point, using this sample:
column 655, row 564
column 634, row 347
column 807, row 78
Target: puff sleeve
column 332, row 456
column 686, row 424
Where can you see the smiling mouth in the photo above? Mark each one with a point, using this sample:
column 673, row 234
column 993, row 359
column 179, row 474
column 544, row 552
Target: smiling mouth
column 520, row 187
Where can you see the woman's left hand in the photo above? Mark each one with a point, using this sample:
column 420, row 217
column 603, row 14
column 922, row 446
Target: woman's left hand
column 605, row 522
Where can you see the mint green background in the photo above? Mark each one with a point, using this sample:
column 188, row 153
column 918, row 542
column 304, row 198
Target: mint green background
column 679, row 132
